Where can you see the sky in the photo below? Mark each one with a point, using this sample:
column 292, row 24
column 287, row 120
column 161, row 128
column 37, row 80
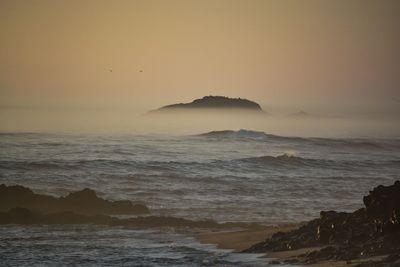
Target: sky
column 314, row 55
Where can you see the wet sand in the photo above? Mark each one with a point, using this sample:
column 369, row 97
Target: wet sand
column 240, row 240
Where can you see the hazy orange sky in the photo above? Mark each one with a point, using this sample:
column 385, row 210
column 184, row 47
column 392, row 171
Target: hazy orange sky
column 306, row 54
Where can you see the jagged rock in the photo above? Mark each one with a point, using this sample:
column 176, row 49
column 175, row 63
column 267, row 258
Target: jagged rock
column 92, row 204
column 383, row 206
column 370, row 231
column 390, row 261
column 84, row 202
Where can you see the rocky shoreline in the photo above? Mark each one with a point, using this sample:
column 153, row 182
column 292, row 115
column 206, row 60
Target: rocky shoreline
column 368, row 237
column 368, row 232
column 85, row 202
column 20, row 205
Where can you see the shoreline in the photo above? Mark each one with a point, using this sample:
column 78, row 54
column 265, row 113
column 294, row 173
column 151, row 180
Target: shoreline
column 367, row 237
column 238, row 240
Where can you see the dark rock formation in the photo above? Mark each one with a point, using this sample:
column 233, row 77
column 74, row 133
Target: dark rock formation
column 26, row 216
column 83, row 202
column 389, row 261
column 215, row 102
column 383, row 207
column 19, row 205
column 370, row 231
column 166, row 221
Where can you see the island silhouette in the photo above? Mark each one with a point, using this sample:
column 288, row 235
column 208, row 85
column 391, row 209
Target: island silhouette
column 215, row 102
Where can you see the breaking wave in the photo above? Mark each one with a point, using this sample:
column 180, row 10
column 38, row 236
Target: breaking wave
column 291, row 160
column 350, row 143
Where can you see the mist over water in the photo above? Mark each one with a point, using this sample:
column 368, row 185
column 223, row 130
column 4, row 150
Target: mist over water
column 285, row 169
column 77, row 79
column 111, row 121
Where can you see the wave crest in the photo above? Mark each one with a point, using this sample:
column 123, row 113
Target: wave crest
column 350, row 143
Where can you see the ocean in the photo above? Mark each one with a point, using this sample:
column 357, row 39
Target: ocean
column 235, row 176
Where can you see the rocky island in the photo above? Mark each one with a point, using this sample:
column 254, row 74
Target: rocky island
column 214, row 102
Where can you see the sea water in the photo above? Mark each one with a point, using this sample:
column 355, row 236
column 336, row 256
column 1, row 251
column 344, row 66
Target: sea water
column 242, row 176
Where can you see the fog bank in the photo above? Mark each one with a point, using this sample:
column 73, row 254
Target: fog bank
column 111, row 121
